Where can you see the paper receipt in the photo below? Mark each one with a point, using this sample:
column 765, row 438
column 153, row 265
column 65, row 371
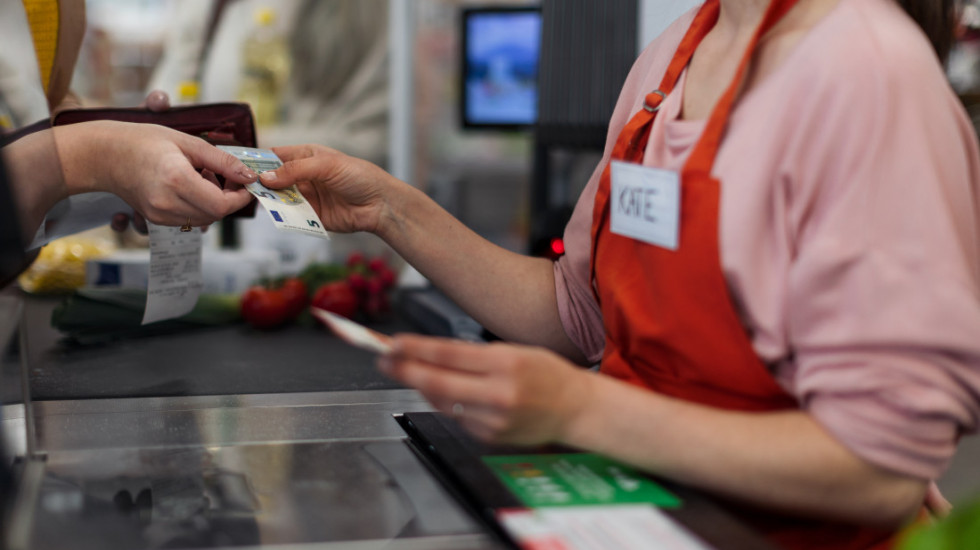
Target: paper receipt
column 287, row 207
column 175, row 279
column 353, row 333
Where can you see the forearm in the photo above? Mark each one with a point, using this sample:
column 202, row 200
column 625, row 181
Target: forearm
column 35, row 171
column 510, row 294
column 781, row 460
column 87, row 154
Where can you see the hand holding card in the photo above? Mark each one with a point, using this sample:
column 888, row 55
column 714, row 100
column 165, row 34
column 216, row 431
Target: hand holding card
column 353, row 333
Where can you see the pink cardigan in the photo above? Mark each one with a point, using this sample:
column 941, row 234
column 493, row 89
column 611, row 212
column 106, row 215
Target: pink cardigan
column 849, row 232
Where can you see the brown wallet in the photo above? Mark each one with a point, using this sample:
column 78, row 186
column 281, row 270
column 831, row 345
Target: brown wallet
column 216, row 123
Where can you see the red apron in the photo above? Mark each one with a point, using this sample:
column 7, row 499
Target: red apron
column 669, row 319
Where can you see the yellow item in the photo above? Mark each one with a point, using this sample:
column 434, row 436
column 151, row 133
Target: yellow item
column 43, row 17
column 264, row 16
column 60, row 266
column 265, row 68
column 187, row 92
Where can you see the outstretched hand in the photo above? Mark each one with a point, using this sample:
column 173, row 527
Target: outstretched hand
column 501, row 393
column 348, row 194
column 157, row 101
column 156, row 170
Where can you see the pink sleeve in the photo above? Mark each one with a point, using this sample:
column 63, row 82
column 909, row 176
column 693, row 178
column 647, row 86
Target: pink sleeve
column 577, row 307
column 883, row 307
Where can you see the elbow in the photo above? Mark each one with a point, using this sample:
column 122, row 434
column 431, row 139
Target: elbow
column 894, row 502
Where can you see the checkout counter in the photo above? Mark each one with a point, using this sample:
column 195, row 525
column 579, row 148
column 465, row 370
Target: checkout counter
column 233, row 438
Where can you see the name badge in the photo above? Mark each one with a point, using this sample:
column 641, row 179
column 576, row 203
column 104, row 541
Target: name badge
column 645, row 204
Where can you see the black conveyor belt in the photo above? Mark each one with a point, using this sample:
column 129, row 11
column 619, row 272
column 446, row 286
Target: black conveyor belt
column 233, row 359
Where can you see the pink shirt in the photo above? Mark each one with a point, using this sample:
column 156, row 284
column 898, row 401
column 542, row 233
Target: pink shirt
column 849, row 231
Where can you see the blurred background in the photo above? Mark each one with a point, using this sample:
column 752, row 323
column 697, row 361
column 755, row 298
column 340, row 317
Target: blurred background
column 481, row 175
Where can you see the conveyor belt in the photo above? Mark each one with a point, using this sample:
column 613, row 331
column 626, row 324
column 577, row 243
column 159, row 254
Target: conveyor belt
column 225, row 360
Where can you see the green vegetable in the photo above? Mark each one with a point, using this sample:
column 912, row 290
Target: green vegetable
column 93, row 315
column 316, row 275
column 959, row 531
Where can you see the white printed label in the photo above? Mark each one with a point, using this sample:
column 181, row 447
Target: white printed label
column 644, row 204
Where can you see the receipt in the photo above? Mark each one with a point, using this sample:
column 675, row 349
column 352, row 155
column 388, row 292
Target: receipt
column 175, row 279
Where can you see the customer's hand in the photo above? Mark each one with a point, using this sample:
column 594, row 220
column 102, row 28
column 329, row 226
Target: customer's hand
column 501, row 393
column 154, row 169
column 348, row 194
column 156, row 101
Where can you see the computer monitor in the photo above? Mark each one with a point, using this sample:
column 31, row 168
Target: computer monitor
column 500, row 50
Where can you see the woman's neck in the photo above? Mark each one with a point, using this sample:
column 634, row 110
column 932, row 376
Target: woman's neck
column 738, row 15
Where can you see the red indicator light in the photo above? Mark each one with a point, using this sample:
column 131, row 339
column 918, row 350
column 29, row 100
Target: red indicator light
column 558, row 246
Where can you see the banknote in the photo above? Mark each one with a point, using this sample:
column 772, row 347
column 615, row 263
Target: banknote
column 287, row 207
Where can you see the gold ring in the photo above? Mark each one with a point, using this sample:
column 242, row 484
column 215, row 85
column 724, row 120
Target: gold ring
column 186, row 228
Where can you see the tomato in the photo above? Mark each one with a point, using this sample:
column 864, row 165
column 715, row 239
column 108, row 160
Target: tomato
column 270, row 307
column 387, row 277
column 296, row 296
column 375, row 286
column 337, row 297
column 376, row 306
column 357, row 281
column 356, row 259
column 264, row 308
column 377, row 264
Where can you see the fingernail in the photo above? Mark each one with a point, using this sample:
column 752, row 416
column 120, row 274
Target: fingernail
column 247, row 172
column 384, row 363
column 269, row 176
column 396, row 346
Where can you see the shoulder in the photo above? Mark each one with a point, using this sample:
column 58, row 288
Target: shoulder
column 866, row 72
column 866, row 53
column 647, row 72
column 652, row 62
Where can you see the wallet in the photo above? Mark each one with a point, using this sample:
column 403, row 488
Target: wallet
column 217, row 123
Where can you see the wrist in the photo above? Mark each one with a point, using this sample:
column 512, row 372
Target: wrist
column 399, row 203
column 581, row 397
column 82, row 152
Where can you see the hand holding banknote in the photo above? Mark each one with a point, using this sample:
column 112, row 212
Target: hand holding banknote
column 348, row 194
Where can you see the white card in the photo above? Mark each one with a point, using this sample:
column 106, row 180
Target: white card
column 175, row 280
column 645, row 204
column 624, row 527
column 353, row 333
column 287, row 207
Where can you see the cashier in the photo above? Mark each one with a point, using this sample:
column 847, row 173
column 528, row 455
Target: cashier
column 776, row 265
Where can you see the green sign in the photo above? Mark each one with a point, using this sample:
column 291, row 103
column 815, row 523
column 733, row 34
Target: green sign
column 576, row 479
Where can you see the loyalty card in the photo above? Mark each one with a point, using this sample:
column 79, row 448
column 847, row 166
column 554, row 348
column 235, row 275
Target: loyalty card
column 287, row 207
column 353, row 333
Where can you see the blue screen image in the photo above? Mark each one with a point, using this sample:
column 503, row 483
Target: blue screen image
column 502, row 67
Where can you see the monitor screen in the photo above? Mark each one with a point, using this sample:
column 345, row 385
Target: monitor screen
column 500, row 66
